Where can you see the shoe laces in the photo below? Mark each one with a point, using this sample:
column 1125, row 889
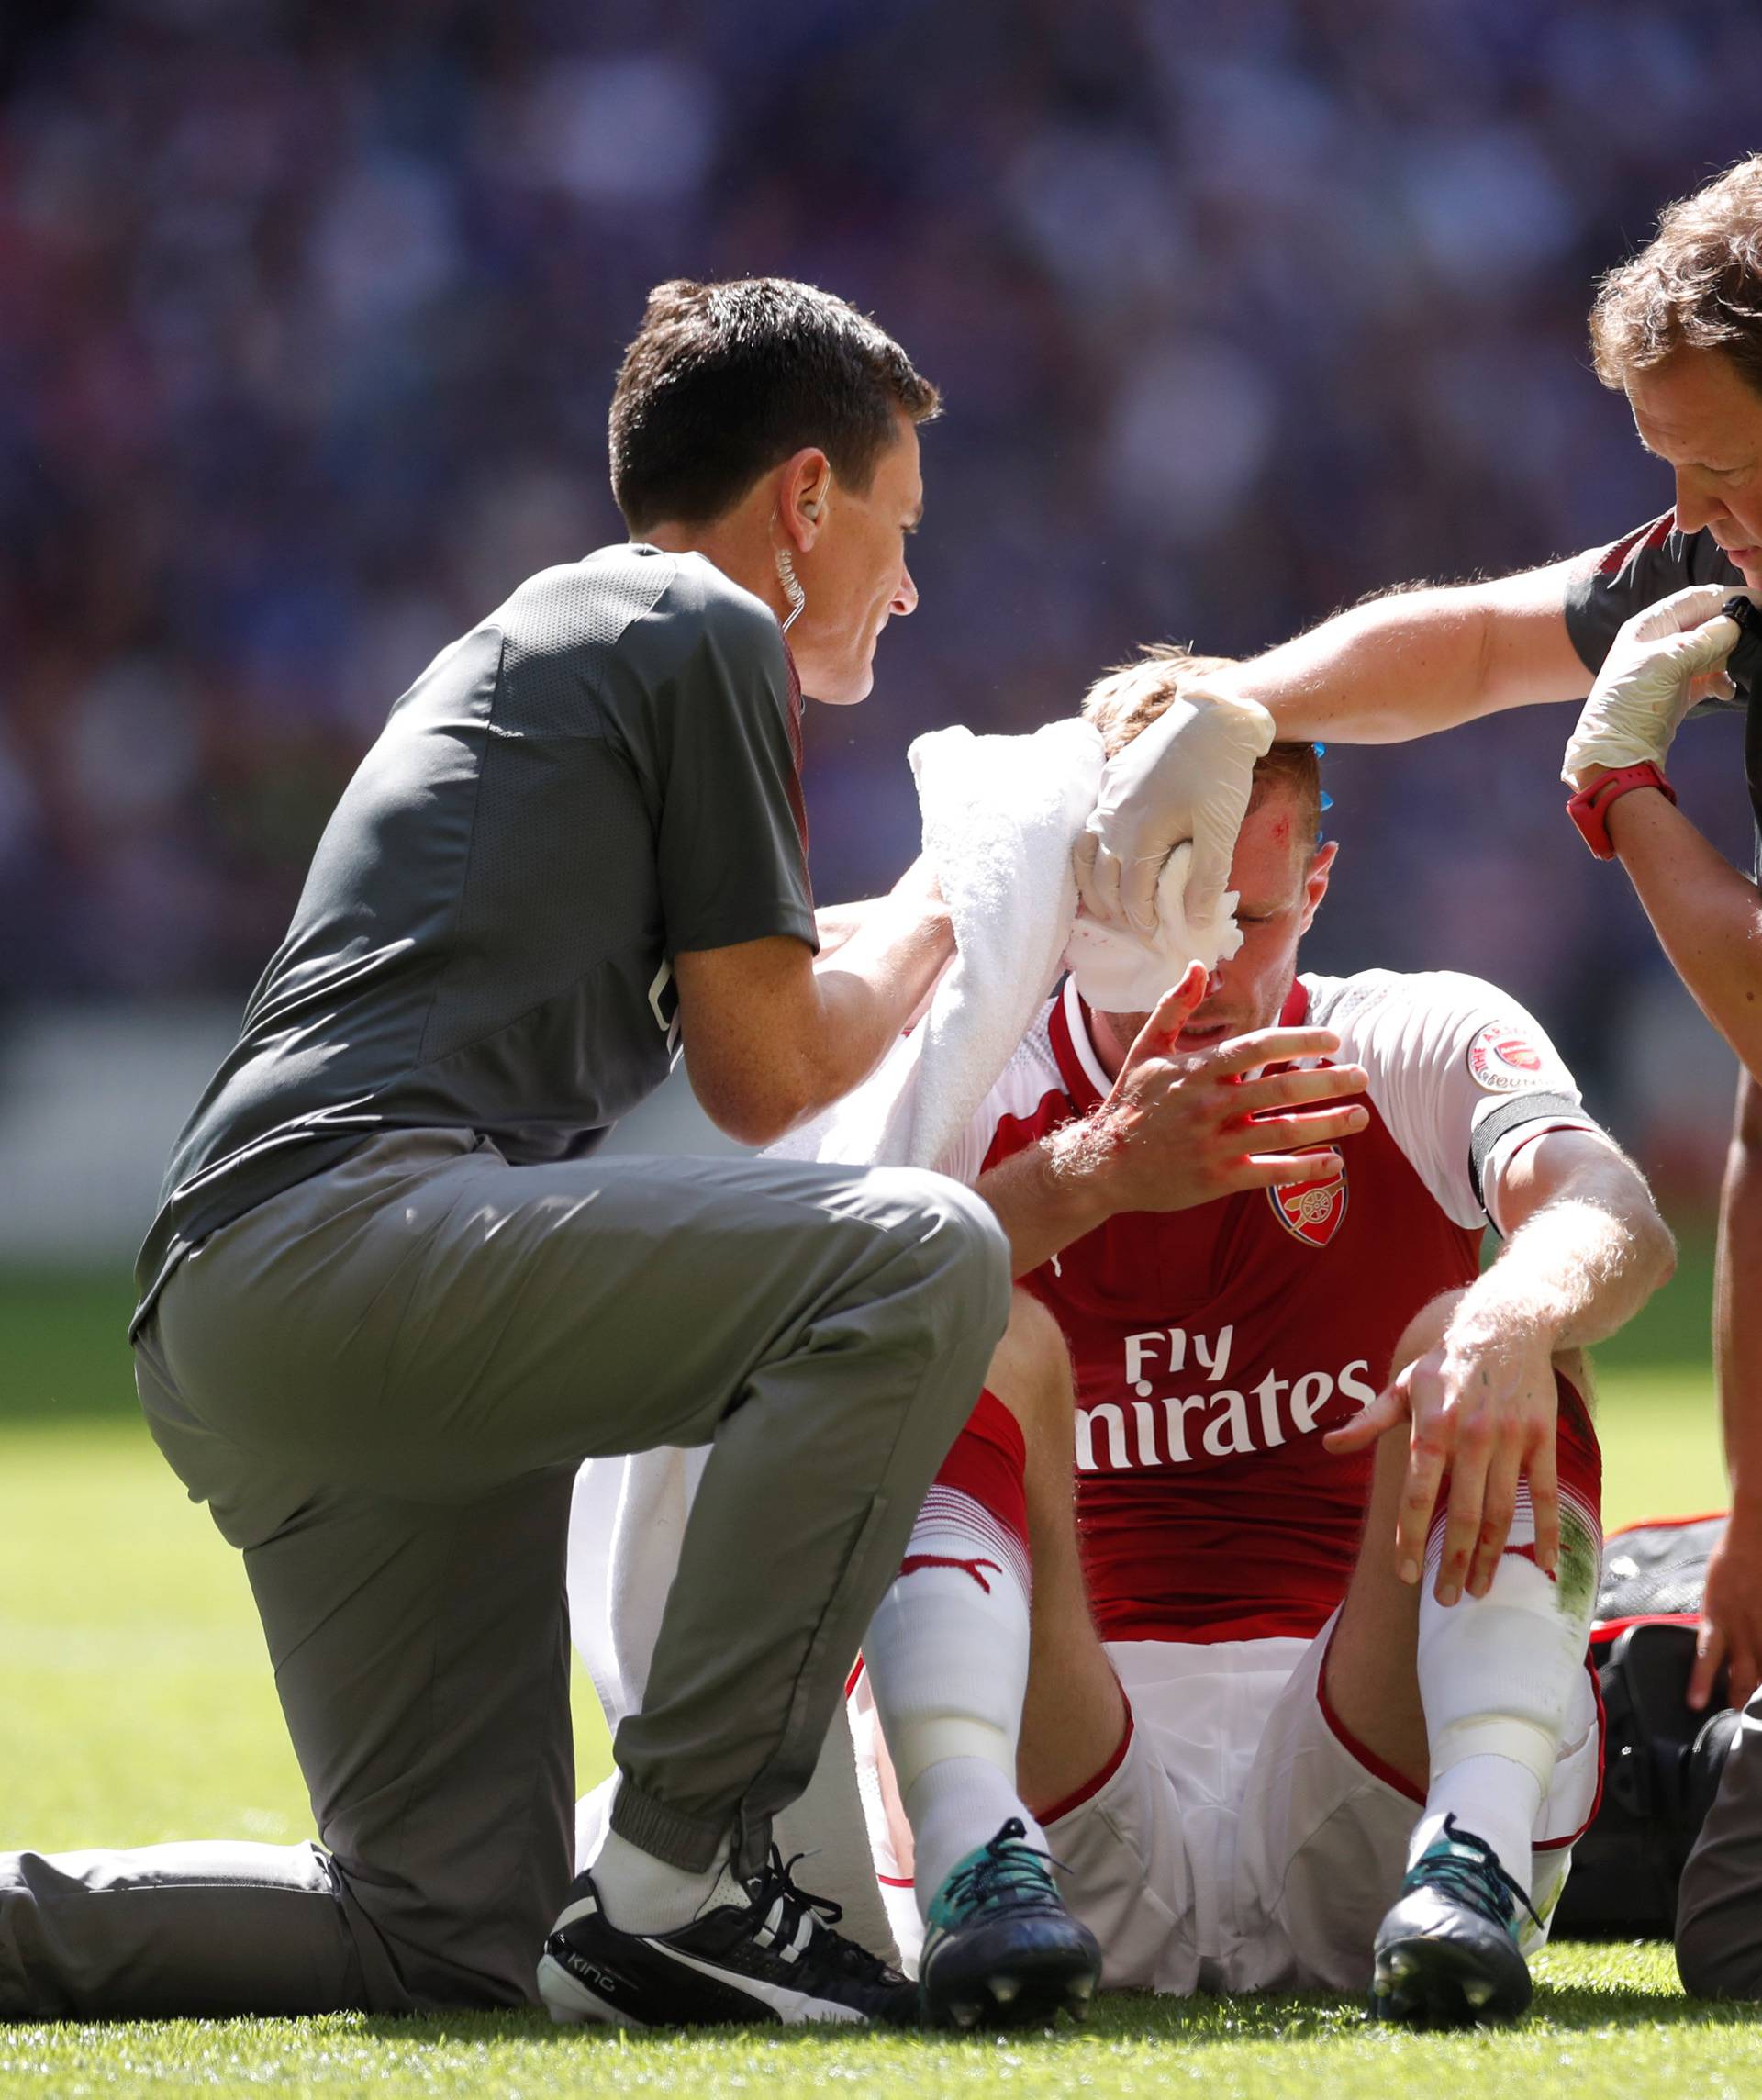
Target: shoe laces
column 1005, row 1870
column 801, row 1926
column 1470, row 1871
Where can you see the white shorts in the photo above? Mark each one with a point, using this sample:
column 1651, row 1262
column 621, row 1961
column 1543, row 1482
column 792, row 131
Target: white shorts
column 1241, row 1841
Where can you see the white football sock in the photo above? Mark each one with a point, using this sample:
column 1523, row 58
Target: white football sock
column 641, row 1893
column 947, row 1657
column 955, row 1808
column 1492, row 1796
column 1497, row 1676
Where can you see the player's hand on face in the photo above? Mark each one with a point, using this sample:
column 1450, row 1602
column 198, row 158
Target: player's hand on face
column 1481, row 1408
column 1656, row 666
column 1187, row 776
column 1731, row 1614
column 1186, row 1127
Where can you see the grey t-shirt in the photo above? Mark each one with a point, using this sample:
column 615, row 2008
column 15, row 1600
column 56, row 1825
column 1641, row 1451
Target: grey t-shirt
column 1636, row 572
column 604, row 772
column 1623, row 579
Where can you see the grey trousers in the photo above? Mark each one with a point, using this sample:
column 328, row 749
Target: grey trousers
column 381, row 1381
column 1719, row 1904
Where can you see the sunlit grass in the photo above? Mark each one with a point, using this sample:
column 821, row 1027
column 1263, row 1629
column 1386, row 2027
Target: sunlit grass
column 138, row 1706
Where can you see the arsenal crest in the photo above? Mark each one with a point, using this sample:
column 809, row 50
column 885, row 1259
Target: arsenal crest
column 1503, row 1060
column 1310, row 1211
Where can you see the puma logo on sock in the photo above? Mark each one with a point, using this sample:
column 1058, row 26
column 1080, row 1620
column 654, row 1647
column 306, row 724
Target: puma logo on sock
column 1528, row 1553
column 913, row 1561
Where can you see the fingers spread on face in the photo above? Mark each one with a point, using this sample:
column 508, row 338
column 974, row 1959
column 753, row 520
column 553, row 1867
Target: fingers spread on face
column 1275, row 1046
column 1176, row 1005
column 1282, row 1170
column 1275, row 1091
column 1158, row 1036
column 1297, row 1132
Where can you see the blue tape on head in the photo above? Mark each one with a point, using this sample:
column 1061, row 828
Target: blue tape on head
column 1327, row 801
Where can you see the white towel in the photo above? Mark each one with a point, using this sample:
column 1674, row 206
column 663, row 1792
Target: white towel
column 1000, row 815
column 626, row 1525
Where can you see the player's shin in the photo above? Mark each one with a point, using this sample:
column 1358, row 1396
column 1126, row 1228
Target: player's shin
column 947, row 1651
column 1499, row 1675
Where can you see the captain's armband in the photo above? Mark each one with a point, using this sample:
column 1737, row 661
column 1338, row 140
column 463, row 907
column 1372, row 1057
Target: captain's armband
column 1509, row 1116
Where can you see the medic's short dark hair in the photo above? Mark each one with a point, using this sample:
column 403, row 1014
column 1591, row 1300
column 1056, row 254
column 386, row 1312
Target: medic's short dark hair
column 724, row 382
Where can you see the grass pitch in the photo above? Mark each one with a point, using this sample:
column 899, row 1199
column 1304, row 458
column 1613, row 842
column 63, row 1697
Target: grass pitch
column 138, row 1706
column 1608, row 2025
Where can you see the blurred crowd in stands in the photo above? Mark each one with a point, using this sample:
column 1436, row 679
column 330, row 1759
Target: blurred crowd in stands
column 309, row 314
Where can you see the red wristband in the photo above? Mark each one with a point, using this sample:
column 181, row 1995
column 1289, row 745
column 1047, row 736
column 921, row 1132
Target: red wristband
column 1589, row 807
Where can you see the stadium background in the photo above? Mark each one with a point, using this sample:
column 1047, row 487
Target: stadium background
column 309, row 316
column 309, row 323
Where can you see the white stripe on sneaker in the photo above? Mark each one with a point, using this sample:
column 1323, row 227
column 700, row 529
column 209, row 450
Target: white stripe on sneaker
column 793, row 2007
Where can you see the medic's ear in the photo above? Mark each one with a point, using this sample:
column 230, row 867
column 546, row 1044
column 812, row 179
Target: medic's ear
column 802, row 489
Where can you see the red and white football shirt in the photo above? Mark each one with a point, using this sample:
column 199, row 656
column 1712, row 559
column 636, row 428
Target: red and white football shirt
column 1214, row 1346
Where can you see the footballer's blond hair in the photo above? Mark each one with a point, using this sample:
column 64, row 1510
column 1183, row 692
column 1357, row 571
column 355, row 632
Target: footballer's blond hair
column 1697, row 284
column 1124, row 701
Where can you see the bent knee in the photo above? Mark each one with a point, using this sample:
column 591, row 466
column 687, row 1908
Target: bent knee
column 1719, row 1899
column 1710, row 1965
column 1030, row 1368
column 976, row 1246
column 964, row 1248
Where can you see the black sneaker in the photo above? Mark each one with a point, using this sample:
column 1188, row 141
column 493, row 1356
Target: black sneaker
column 1447, row 1953
column 1000, row 1947
column 774, row 1957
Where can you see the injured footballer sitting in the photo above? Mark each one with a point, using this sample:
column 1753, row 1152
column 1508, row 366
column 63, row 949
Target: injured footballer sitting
column 1240, row 1643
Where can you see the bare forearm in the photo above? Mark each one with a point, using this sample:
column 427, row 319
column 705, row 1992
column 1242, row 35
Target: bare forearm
column 1707, row 916
column 1048, row 1196
column 1579, row 1268
column 1420, row 661
column 835, row 925
column 870, row 988
column 772, row 1038
column 1737, row 1309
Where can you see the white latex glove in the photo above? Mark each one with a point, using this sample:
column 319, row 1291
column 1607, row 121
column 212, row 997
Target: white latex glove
column 1184, row 777
column 1123, row 972
column 1645, row 684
